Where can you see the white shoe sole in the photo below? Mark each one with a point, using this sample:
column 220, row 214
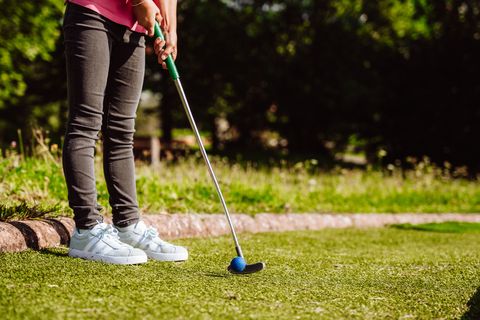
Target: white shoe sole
column 177, row 257
column 107, row 259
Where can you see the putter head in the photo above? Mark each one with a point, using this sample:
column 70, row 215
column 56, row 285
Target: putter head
column 249, row 268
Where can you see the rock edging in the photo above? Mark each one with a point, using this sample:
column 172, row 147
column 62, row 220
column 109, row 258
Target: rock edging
column 38, row 234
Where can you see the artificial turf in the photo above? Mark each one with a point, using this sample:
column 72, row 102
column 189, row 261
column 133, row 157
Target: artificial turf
column 330, row 274
column 449, row 226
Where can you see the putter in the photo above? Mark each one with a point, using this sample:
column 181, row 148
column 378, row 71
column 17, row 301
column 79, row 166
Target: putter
column 172, row 69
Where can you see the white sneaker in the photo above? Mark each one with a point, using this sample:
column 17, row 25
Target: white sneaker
column 102, row 244
column 147, row 239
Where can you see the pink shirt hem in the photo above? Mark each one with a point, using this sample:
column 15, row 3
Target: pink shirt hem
column 118, row 11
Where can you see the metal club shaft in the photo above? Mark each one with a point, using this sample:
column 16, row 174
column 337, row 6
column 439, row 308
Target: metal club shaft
column 186, row 106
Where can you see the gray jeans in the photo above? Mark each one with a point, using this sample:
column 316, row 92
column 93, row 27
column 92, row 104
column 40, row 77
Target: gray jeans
column 105, row 69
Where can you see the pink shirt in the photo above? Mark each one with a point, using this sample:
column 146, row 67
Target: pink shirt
column 118, row 11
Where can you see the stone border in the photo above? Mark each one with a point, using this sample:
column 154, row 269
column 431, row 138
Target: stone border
column 38, row 234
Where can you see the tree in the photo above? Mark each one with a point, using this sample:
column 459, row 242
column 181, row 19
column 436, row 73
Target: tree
column 29, row 34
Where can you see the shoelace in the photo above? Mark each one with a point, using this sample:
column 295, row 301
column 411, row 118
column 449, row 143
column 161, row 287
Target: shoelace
column 152, row 234
column 110, row 233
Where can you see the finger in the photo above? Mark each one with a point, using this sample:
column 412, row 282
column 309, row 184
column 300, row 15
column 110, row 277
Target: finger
column 159, row 45
column 174, row 53
column 160, row 61
column 151, row 23
column 159, row 17
column 164, row 65
column 168, row 51
column 164, row 25
column 156, row 45
column 161, row 52
column 149, row 29
column 162, row 46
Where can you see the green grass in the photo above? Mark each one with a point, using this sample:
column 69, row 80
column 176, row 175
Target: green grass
column 450, row 226
column 24, row 210
column 185, row 186
column 330, row 274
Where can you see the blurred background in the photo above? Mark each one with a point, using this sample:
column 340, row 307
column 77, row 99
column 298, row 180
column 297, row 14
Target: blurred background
column 363, row 82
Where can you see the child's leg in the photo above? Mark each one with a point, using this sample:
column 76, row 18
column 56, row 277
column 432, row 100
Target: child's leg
column 122, row 97
column 87, row 49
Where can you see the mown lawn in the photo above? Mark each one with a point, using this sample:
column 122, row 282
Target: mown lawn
column 330, row 274
column 185, row 186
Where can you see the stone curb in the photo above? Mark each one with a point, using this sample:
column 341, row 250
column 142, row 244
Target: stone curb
column 38, row 234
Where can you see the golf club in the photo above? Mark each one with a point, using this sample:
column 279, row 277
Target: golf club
column 238, row 264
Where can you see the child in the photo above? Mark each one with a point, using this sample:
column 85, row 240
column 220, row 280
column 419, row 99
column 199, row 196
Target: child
column 105, row 57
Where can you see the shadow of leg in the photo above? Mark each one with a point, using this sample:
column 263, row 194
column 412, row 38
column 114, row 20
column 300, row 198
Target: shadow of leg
column 31, row 238
column 61, row 230
column 55, row 252
column 39, row 234
column 473, row 312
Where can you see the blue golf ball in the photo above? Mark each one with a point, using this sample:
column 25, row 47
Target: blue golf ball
column 238, row 264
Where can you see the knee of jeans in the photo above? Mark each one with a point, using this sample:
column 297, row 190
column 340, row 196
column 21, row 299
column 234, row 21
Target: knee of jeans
column 119, row 134
column 84, row 126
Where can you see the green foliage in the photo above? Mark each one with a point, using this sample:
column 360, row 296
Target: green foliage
column 399, row 75
column 388, row 21
column 317, row 72
column 328, row 274
column 184, row 186
column 28, row 33
column 24, row 210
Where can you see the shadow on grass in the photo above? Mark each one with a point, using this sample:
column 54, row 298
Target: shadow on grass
column 473, row 312
column 441, row 227
column 55, row 252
